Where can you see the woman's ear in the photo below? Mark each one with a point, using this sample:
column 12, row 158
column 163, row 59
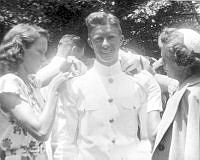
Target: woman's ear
column 90, row 43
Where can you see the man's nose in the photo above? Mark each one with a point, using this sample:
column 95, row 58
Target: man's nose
column 105, row 43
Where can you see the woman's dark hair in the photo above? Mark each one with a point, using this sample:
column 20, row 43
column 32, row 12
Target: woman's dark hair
column 12, row 47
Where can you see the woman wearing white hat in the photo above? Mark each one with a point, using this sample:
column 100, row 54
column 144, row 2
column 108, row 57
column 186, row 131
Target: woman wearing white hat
column 178, row 134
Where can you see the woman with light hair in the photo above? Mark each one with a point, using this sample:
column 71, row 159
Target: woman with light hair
column 26, row 118
column 178, row 134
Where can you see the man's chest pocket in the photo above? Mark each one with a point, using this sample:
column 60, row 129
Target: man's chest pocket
column 93, row 111
column 92, row 118
column 128, row 115
column 98, row 108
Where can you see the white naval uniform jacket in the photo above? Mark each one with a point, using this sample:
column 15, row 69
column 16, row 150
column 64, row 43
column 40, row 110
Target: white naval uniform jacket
column 99, row 115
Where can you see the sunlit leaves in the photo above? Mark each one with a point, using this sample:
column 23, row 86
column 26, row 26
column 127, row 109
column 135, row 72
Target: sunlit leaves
column 141, row 20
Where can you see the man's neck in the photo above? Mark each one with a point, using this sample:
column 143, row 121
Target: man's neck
column 108, row 70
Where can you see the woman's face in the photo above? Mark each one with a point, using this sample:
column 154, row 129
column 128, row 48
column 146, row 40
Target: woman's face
column 170, row 66
column 35, row 55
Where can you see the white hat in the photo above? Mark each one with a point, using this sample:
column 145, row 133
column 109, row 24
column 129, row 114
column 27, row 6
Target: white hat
column 191, row 39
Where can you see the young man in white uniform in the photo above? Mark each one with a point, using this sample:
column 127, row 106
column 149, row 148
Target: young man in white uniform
column 102, row 109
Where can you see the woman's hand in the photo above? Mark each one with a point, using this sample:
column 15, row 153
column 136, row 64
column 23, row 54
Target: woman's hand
column 77, row 67
column 65, row 50
column 57, row 81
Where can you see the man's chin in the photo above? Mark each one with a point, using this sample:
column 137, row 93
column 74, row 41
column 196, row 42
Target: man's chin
column 107, row 62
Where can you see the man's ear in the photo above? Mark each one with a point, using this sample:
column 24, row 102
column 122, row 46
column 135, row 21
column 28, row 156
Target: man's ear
column 121, row 39
column 90, row 43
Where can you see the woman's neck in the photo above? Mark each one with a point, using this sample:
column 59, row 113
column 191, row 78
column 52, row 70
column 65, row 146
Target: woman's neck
column 182, row 80
column 185, row 76
column 22, row 73
column 181, row 75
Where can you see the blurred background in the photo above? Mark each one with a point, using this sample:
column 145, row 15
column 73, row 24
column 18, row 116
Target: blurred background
column 141, row 20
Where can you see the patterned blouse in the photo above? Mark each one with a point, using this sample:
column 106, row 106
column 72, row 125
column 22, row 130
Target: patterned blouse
column 15, row 141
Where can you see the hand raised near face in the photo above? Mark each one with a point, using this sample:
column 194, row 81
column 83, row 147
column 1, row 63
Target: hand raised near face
column 65, row 49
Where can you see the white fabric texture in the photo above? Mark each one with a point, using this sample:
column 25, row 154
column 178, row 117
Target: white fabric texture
column 15, row 140
column 99, row 117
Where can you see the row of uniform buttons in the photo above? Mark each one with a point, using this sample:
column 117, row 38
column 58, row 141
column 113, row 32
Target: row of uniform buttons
column 110, row 100
column 111, row 120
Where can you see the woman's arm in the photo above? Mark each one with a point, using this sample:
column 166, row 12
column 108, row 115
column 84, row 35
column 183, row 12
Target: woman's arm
column 48, row 72
column 18, row 107
column 62, row 62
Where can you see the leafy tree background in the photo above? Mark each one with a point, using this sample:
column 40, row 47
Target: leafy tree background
column 141, row 20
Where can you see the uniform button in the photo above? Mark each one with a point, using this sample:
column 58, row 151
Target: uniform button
column 110, row 80
column 111, row 120
column 110, row 100
column 113, row 141
column 161, row 147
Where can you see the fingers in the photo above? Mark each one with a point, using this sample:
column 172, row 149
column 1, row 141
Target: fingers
column 61, row 77
column 77, row 67
column 65, row 50
column 66, row 75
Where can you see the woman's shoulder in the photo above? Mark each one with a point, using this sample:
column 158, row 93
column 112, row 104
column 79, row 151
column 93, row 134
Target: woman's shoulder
column 10, row 83
column 10, row 77
column 194, row 90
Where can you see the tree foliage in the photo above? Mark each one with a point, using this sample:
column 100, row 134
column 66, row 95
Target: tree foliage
column 141, row 20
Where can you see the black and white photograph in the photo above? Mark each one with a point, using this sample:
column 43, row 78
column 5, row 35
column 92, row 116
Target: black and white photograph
column 99, row 80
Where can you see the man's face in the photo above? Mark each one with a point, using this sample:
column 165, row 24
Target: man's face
column 105, row 40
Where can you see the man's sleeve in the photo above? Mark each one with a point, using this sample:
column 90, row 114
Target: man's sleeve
column 152, row 89
column 150, row 114
column 133, row 63
column 64, row 133
column 145, row 144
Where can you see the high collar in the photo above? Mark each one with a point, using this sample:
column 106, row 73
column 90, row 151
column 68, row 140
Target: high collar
column 107, row 70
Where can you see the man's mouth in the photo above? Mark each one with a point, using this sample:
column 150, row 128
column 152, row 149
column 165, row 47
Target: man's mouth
column 107, row 51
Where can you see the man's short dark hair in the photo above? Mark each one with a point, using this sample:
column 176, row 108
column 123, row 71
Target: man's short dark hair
column 102, row 18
